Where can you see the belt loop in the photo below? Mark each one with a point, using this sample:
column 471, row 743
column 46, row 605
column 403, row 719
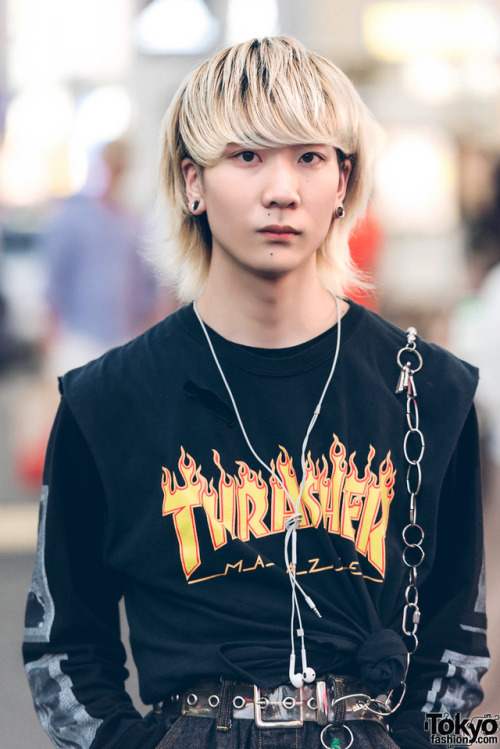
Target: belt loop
column 225, row 705
column 338, row 716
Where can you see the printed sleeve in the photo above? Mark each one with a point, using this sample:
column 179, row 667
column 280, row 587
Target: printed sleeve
column 74, row 658
column 452, row 655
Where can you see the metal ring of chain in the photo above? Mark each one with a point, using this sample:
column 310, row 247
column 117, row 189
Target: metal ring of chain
column 411, row 350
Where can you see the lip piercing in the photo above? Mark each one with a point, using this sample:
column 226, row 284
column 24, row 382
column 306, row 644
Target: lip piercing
column 340, row 211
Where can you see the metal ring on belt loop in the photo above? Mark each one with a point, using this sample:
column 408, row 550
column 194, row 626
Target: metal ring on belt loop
column 382, row 710
column 329, row 746
column 365, row 702
column 361, row 703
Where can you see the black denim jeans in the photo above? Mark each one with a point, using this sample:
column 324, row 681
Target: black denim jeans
column 187, row 732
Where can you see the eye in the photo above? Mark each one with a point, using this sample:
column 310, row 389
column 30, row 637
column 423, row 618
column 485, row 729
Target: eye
column 311, row 157
column 247, row 156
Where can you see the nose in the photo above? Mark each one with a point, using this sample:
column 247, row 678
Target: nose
column 281, row 187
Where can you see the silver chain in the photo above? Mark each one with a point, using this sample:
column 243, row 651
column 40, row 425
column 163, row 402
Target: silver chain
column 413, row 534
column 414, row 449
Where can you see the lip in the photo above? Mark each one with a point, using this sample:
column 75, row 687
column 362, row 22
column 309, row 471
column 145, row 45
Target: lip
column 276, row 231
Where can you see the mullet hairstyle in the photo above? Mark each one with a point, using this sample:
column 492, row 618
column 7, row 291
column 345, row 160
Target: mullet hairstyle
column 263, row 93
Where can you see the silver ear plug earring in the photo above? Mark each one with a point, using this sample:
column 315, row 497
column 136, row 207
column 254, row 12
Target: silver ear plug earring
column 340, row 211
column 195, row 205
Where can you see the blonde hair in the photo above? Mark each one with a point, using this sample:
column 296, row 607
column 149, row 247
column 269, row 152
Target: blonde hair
column 263, row 93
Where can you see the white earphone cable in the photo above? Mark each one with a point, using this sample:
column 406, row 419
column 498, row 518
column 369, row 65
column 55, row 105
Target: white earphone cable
column 293, row 522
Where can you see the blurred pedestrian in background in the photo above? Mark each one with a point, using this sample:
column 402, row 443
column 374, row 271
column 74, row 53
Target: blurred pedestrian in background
column 100, row 291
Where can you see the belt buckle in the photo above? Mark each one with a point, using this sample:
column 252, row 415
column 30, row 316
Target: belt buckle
column 261, row 703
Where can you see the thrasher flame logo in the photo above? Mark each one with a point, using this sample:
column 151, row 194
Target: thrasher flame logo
column 348, row 503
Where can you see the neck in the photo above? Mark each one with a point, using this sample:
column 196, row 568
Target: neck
column 269, row 313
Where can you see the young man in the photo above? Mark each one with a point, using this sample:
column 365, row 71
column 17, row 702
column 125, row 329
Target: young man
column 287, row 530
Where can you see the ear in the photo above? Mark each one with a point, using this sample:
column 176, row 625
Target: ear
column 192, row 173
column 344, row 173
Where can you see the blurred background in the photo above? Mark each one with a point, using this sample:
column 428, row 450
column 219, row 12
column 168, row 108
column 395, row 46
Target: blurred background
column 83, row 88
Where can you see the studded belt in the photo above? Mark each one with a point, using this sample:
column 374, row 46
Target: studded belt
column 333, row 700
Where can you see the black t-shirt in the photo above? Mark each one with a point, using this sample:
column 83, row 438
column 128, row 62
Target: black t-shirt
column 153, row 493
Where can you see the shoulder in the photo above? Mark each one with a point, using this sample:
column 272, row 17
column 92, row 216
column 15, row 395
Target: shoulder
column 440, row 375
column 127, row 371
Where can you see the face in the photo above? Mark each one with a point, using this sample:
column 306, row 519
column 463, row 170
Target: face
column 270, row 209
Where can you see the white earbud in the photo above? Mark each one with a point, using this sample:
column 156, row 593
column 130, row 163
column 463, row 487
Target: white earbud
column 308, row 674
column 295, row 679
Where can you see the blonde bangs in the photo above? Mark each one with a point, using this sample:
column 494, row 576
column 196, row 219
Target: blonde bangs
column 264, row 94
